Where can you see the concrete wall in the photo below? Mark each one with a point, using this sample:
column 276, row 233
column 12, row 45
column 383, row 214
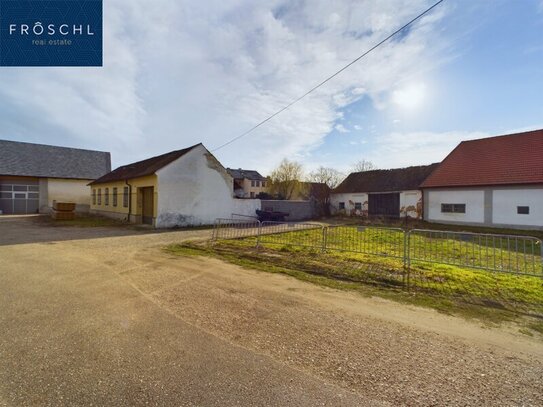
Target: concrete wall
column 69, row 190
column 245, row 207
column 194, row 190
column 505, row 202
column 474, row 200
column 410, row 203
column 488, row 206
column 298, row 210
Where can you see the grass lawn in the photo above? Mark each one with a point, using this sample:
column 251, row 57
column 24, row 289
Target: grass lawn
column 350, row 262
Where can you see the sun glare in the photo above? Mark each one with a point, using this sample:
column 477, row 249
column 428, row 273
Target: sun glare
column 411, row 96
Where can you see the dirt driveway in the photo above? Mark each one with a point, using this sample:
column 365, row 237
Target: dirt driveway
column 104, row 317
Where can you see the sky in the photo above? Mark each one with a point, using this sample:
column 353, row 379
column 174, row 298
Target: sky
column 177, row 73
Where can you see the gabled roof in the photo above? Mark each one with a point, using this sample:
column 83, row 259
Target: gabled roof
column 143, row 168
column 501, row 160
column 44, row 161
column 249, row 174
column 397, row 179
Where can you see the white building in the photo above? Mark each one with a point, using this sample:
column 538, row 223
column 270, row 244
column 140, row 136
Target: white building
column 496, row 181
column 32, row 176
column 181, row 188
column 390, row 193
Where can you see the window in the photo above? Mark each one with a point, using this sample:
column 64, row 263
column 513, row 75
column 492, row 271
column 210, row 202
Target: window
column 342, row 205
column 94, row 196
column 106, row 196
column 453, row 208
column 523, row 210
column 263, row 184
column 358, row 206
column 257, row 183
column 252, row 183
column 125, row 197
column 114, row 197
column 99, row 196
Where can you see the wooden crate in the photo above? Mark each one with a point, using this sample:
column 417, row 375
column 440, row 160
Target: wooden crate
column 63, row 206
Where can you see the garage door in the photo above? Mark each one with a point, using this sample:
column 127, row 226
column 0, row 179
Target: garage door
column 387, row 205
column 19, row 199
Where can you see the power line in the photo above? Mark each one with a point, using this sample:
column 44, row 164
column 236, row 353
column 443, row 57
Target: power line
column 330, row 77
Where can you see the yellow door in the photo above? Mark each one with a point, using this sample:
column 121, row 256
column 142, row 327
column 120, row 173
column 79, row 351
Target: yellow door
column 147, row 210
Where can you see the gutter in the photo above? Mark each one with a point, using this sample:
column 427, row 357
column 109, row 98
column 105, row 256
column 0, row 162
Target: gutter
column 129, row 199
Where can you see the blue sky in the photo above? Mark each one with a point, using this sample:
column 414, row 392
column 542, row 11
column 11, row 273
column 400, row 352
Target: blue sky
column 178, row 73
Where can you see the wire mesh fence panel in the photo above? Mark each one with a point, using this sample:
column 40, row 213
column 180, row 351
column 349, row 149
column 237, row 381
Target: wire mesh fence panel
column 236, row 229
column 309, row 235
column 389, row 242
column 501, row 253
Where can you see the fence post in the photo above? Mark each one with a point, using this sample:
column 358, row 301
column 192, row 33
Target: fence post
column 407, row 258
column 324, row 238
column 215, row 234
column 258, row 234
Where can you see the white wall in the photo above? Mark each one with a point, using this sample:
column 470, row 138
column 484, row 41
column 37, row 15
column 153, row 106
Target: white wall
column 407, row 199
column 195, row 190
column 474, row 200
column 69, row 190
column 505, row 202
column 350, row 200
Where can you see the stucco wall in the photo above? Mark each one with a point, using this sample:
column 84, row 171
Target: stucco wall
column 474, row 200
column 297, row 210
column 194, row 190
column 245, row 207
column 408, row 203
column 505, row 202
column 69, row 190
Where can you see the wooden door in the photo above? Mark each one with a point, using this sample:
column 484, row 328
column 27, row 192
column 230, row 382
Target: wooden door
column 148, row 205
column 387, row 205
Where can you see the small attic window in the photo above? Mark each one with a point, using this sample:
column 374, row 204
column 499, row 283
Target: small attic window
column 523, row 210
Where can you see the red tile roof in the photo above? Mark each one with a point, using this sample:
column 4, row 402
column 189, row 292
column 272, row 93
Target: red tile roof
column 501, row 160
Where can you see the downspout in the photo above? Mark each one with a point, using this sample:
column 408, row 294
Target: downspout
column 129, row 199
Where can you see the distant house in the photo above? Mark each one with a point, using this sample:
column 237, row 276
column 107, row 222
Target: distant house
column 496, row 181
column 390, row 193
column 32, row 176
column 185, row 187
column 247, row 183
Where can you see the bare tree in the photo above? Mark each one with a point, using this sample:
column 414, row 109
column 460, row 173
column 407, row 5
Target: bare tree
column 285, row 180
column 325, row 180
column 363, row 165
column 328, row 176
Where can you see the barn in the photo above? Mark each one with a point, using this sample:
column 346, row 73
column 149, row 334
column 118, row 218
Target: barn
column 391, row 193
column 32, row 176
column 495, row 181
column 186, row 187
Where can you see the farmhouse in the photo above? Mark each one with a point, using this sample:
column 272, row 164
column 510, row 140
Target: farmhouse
column 389, row 193
column 496, row 181
column 181, row 188
column 32, row 176
column 247, row 183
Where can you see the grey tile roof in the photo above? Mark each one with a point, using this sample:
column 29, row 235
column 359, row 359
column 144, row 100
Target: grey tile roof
column 249, row 174
column 38, row 160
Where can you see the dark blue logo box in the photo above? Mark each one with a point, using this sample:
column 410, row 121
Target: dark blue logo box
column 50, row 32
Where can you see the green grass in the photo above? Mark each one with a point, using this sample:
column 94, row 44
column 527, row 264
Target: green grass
column 451, row 288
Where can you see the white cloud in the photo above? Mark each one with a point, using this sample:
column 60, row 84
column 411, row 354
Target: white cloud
column 177, row 73
column 398, row 149
column 341, row 128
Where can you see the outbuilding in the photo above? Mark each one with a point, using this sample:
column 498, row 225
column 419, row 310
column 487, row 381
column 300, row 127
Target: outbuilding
column 495, row 181
column 187, row 187
column 391, row 193
column 32, row 176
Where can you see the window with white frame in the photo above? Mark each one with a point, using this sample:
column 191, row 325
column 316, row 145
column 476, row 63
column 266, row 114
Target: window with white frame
column 453, row 208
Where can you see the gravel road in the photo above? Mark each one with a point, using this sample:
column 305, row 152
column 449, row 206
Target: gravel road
column 93, row 319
